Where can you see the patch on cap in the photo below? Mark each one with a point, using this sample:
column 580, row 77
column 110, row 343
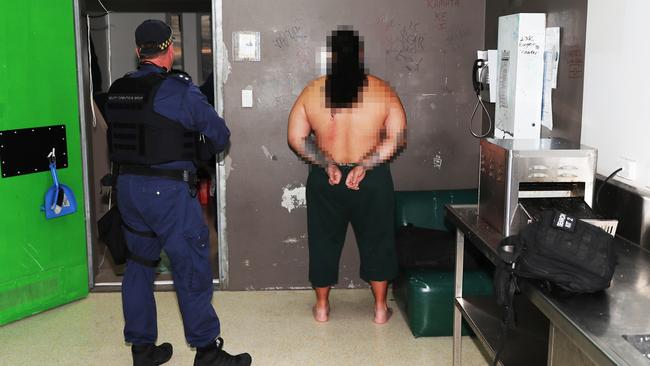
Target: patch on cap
column 153, row 36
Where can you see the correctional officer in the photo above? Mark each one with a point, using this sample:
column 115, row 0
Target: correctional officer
column 158, row 120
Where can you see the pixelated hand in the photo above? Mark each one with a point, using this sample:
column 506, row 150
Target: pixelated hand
column 334, row 174
column 355, row 177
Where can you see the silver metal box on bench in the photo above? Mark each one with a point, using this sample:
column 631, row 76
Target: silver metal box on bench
column 512, row 170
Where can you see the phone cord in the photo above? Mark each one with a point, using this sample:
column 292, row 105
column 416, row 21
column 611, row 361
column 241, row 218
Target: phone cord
column 479, row 101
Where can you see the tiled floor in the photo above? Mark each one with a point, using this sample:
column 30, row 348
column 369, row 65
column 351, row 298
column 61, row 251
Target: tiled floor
column 275, row 327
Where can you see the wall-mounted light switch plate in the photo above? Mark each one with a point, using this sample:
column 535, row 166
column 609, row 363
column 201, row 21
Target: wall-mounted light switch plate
column 247, row 98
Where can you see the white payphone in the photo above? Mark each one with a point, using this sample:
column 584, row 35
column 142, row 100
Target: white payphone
column 512, row 77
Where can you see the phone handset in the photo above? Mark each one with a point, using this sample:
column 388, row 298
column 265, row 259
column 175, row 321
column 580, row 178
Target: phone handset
column 477, row 69
column 477, row 76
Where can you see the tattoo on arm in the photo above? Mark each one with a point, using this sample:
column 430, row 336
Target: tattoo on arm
column 372, row 160
column 401, row 138
column 314, row 154
column 384, row 151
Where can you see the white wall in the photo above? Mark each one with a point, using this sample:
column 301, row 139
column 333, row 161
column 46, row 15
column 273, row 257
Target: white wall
column 191, row 46
column 98, row 29
column 616, row 109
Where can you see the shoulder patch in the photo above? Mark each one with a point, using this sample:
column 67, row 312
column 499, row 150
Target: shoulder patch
column 181, row 78
column 180, row 74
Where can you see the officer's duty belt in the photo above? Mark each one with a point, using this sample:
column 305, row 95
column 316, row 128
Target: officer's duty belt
column 186, row 176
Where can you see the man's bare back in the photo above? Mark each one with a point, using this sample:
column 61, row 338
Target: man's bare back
column 348, row 135
column 367, row 134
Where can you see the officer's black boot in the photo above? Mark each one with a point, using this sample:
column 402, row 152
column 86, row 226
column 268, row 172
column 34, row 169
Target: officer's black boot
column 214, row 355
column 150, row 354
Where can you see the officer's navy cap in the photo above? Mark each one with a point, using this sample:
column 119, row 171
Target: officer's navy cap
column 153, row 36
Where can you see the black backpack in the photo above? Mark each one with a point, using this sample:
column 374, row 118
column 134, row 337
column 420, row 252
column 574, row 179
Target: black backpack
column 559, row 252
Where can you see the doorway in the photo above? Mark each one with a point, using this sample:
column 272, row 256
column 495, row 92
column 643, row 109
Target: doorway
column 108, row 37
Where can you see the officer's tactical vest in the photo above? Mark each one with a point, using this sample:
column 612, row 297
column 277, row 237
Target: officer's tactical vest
column 137, row 134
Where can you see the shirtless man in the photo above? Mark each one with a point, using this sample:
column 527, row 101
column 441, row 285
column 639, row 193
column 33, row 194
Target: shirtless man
column 358, row 123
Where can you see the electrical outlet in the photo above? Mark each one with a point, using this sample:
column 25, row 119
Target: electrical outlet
column 629, row 168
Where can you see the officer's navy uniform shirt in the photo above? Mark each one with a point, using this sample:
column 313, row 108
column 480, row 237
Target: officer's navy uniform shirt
column 180, row 100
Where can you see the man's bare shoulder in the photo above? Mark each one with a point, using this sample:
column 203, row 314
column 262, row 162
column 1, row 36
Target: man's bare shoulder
column 380, row 87
column 315, row 86
column 373, row 80
column 312, row 93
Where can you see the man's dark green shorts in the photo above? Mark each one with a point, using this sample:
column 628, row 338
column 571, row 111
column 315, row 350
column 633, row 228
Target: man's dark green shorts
column 370, row 210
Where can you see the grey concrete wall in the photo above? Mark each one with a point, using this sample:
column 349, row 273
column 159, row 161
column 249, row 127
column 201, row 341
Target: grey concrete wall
column 424, row 48
column 571, row 17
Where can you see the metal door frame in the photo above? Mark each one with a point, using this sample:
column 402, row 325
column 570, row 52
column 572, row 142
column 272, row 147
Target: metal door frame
column 218, row 64
column 82, row 93
column 83, row 71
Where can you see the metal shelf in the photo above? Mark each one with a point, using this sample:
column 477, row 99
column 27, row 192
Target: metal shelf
column 526, row 345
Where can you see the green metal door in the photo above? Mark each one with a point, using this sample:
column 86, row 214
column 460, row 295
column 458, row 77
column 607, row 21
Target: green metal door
column 43, row 263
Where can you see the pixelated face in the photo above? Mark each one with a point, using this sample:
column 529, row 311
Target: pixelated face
column 344, row 50
column 346, row 74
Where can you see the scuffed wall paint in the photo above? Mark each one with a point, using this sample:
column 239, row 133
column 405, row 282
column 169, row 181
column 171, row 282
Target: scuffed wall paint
column 297, row 242
column 227, row 161
column 268, row 153
column 294, row 197
column 437, row 161
column 227, row 68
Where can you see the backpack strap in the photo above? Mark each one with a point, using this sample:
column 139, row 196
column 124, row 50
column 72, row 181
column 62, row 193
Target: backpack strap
column 506, row 286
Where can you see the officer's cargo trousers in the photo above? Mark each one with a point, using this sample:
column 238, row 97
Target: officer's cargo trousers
column 166, row 207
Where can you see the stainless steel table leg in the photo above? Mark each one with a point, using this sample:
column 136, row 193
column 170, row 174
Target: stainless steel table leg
column 551, row 344
column 458, row 293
